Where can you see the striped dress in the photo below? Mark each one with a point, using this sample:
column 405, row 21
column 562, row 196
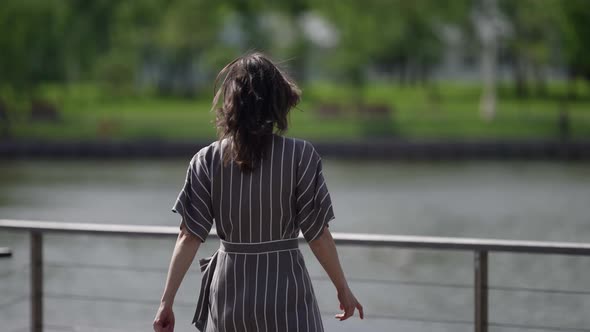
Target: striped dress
column 257, row 280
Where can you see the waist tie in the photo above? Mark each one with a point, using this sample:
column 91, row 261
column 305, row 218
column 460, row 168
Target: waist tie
column 208, row 264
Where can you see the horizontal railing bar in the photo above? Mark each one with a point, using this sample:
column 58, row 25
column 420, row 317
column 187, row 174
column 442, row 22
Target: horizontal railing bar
column 463, row 244
column 5, row 252
column 64, row 265
column 110, row 299
column 90, row 228
column 362, row 239
column 538, row 290
column 462, row 286
column 411, row 318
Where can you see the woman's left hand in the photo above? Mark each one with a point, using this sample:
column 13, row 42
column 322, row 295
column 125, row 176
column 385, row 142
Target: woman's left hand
column 348, row 303
column 164, row 321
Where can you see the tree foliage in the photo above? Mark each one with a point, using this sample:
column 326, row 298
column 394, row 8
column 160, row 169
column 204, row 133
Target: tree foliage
column 176, row 45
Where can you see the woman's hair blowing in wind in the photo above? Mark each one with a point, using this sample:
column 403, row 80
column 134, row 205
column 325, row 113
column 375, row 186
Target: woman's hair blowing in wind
column 254, row 97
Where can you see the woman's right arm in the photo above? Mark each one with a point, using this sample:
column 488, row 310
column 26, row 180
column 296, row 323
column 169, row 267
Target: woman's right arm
column 184, row 252
column 324, row 250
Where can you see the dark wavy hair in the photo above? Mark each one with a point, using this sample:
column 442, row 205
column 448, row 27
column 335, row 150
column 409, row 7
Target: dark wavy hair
column 254, row 98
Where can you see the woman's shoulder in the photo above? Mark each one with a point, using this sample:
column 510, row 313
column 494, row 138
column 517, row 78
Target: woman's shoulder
column 298, row 142
column 207, row 152
column 303, row 147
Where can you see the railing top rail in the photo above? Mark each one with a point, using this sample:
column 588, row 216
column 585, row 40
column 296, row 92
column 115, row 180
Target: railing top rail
column 362, row 239
column 5, row 252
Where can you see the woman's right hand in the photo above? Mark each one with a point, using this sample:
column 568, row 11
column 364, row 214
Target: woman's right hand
column 348, row 303
column 164, row 321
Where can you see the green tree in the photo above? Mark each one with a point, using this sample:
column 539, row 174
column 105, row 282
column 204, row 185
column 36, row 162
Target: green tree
column 188, row 44
column 574, row 24
column 362, row 26
column 399, row 34
column 132, row 44
column 31, row 43
column 531, row 41
column 299, row 49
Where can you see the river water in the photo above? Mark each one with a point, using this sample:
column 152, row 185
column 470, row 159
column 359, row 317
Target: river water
column 114, row 283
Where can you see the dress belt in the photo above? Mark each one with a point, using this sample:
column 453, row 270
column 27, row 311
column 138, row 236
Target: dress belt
column 208, row 264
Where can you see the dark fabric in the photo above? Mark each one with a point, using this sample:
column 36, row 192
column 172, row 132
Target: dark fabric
column 209, row 264
column 287, row 194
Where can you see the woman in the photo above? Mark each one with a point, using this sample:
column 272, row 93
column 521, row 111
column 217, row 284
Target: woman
column 260, row 189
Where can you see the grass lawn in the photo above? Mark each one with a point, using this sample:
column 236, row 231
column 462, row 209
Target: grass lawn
column 416, row 114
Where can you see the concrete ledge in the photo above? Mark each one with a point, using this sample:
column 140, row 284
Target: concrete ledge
column 367, row 149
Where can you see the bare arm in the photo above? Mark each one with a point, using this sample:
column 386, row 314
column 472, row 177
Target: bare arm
column 184, row 252
column 325, row 251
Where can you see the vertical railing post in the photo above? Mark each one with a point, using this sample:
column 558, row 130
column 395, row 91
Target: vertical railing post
column 481, row 291
column 36, row 281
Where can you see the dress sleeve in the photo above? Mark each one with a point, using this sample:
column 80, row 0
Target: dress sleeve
column 314, row 205
column 194, row 200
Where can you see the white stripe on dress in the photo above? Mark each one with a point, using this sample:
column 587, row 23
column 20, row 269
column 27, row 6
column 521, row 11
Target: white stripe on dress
column 315, row 306
column 235, row 297
column 290, row 193
column 256, row 294
column 231, row 186
column 312, row 181
column 266, row 293
column 321, row 228
column 272, row 151
column 302, row 152
column 276, row 293
column 250, row 204
column 214, row 300
column 281, row 192
column 187, row 224
column 204, row 204
column 244, row 297
column 302, row 272
column 260, row 191
column 220, row 221
column 194, row 173
column 292, row 190
column 296, row 291
column 225, row 290
column 240, row 208
column 287, row 304
column 304, row 172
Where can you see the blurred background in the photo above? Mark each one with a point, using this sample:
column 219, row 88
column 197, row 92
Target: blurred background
column 467, row 118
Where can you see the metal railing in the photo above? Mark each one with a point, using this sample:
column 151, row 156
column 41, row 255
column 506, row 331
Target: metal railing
column 480, row 248
column 5, row 252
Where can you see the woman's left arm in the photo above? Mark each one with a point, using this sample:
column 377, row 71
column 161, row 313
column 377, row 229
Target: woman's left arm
column 184, row 252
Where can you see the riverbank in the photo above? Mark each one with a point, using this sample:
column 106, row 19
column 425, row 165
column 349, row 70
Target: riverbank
column 328, row 112
column 378, row 149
